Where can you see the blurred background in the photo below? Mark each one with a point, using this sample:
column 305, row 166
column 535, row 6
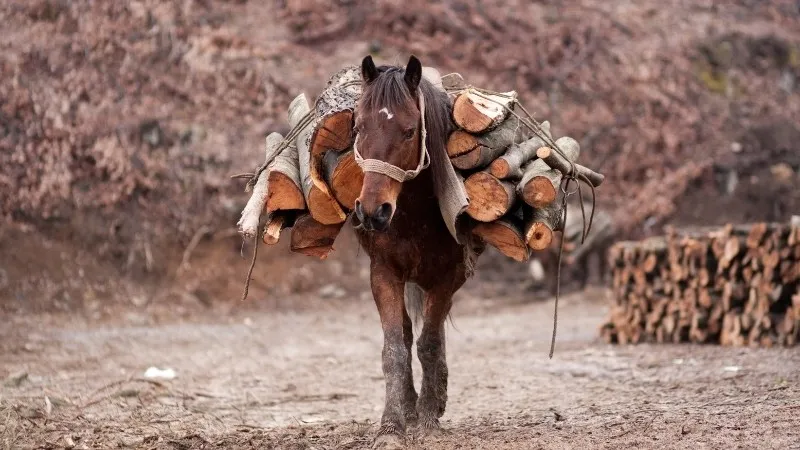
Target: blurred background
column 121, row 123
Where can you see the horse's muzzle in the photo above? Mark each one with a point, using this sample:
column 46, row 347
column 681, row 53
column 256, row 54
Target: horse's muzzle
column 377, row 221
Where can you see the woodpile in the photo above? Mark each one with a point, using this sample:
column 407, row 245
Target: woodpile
column 736, row 286
column 311, row 179
column 512, row 174
column 511, row 165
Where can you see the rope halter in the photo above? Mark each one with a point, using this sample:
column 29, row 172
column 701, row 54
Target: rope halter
column 390, row 170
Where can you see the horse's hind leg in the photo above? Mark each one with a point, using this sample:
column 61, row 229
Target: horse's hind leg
column 387, row 290
column 431, row 352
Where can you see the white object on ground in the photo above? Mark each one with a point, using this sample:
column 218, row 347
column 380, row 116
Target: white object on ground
column 155, row 372
column 536, row 270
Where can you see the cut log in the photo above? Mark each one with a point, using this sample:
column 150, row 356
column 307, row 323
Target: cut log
column 725, row 285
column 344, row 177
column 460, row 142
column 489, row 198
column 251, row 214
column 333, row 110
column 453, row 82
column 505, row 234
column 478, row 113
column 469, row 151
column 312, row 238
column 320, row 202
column 555, row 161
column 540, row 183
column 509, row 165
column 540, row 226
column 276, row 223
column 283, row 175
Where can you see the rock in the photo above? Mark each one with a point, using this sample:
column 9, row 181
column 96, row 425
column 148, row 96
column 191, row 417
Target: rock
column 16, row 379
column 331, row 291
column 164, row 374
column 782, row 172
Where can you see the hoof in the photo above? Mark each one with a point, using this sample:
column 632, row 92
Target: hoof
column 412, row 418
column 389, row 442
column 430, row 427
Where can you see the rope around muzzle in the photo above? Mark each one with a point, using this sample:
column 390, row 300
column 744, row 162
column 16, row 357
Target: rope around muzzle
column 390, row 170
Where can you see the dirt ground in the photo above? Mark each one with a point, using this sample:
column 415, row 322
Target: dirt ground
column 311, row 378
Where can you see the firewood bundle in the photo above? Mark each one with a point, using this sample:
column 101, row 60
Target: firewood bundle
column 736, row 286
column 512, row 170
column 512, row 173
column 311, row 179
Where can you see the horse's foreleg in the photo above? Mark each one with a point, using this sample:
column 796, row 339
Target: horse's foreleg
column 387, row 290
column 409, row 394
column 431, row 352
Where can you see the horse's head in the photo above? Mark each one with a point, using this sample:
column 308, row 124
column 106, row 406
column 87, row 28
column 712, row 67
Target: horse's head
column 390, row 141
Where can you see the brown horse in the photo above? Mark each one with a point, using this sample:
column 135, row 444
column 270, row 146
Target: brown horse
column 400, row 226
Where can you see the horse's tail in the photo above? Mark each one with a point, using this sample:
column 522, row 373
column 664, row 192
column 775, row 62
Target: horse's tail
column 414, row 298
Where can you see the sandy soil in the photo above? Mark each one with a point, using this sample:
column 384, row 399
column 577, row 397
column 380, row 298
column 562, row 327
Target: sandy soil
column 311, row 378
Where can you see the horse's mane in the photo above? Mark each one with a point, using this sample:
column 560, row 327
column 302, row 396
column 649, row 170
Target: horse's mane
column 390, row 90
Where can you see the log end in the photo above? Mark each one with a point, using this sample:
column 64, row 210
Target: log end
column 324, row 208
column 469, row 117
column 505, row 237
column 272, row 232
column 283, row 194
column 346, row 181
column 539, row 192
column 538, row 236
column 460, row 142
column 489, row 198
column 467, row 161
column 334, row 132
column 500, row 168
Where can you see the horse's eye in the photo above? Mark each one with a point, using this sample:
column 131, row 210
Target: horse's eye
column 409, row 133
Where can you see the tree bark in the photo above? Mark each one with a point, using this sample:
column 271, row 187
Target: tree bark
column 283, row 181
column 312, row 238
column 555, row 161
column 477, row 151
column 540, row 183
column 540, row 226
column 510, row 164
column 251, row 215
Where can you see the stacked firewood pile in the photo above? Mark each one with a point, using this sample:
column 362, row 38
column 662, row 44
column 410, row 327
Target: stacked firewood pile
column 511, row 170
column 737, row 285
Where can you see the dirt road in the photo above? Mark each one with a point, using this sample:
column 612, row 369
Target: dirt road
column 312, row 379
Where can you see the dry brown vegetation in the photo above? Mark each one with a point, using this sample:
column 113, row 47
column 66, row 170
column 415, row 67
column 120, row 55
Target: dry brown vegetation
column 121, row 122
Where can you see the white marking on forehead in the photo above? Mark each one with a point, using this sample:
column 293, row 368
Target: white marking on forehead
column 388, row 114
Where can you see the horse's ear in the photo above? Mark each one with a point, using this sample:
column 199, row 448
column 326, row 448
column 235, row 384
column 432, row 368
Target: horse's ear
column 413, row 73
column 368, row 70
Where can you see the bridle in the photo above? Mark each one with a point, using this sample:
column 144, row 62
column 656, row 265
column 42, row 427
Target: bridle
column 390, row 170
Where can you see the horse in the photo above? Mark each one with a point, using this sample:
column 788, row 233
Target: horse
column 414, row 259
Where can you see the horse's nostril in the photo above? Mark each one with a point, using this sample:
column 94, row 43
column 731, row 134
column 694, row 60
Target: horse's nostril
column 384, row 212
